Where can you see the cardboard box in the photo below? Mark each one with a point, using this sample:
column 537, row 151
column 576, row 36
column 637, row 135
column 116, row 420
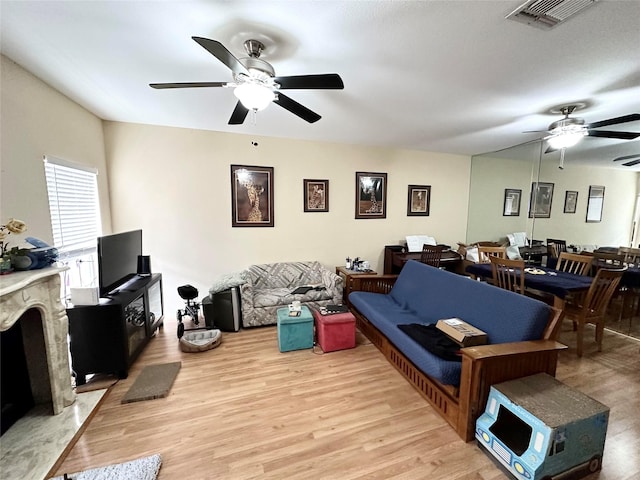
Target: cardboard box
column 463, row 333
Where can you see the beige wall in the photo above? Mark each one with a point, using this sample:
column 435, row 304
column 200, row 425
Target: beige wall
column 37, row 120
column 175, row 185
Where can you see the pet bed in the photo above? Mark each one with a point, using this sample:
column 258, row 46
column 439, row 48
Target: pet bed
column 193, row 342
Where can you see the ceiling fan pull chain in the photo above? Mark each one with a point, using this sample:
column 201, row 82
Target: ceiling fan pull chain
column 254, row 113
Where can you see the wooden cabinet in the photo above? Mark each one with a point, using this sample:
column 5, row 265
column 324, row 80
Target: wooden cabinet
column 108, row 337
column 347, row 276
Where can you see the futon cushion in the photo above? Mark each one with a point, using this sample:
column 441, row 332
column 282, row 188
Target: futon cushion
column 424, row 295
column 432, row 294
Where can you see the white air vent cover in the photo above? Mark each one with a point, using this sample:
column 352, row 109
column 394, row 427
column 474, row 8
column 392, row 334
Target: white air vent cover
column 548, row 13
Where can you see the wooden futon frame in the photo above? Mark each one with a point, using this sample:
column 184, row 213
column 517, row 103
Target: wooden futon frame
column 482, row 366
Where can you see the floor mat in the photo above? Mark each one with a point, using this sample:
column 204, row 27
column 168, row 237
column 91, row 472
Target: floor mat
column 154, row 381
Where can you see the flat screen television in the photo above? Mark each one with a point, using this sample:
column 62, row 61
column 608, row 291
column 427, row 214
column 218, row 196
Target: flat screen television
column 117, row 259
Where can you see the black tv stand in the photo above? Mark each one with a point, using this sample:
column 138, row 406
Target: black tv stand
column 108, row 337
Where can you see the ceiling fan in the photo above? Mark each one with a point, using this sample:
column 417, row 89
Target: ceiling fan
column 633, row 160
column 568, row 131
column 255, row 83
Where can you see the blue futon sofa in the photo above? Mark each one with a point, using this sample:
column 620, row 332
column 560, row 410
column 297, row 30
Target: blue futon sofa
column 521, row 335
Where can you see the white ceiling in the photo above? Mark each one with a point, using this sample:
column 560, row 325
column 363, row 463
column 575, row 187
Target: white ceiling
column 442, row 76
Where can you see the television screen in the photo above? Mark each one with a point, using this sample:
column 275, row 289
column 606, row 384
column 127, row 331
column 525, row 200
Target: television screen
column 117, row 259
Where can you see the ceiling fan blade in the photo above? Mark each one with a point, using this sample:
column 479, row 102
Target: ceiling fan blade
column 296, row 108
column 187, row 84
column 239, row 114
column 551, row 149
column 631, row 163
column 612, row 134
column 613, row 121
column 219, row 51
column 328, row 81
column 626, row 157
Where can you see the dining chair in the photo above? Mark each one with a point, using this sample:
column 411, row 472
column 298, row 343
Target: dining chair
column 431, row 255
column 591, row 307
column 574, row 263
column 631, row 295
column 555, row 247
column 606, row 260
column 631, row 255
column 508, row 274
column 485, row 253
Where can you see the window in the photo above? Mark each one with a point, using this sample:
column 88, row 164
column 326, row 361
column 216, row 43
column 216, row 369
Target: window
column 75, row 218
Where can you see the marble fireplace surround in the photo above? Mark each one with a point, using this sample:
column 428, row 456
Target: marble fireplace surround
column 45, row 342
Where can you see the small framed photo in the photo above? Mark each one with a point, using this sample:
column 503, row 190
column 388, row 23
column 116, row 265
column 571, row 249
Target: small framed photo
column 570, row 201
column 511, row 207
column 540, row 201
column 371, row 195
column 251, row 196
column 595, row 203
column 316, row 195
column 418, row 200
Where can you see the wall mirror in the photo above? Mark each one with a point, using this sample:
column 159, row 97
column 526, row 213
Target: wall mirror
column 522, row 166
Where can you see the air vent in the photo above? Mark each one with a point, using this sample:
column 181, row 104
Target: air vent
column 547, row 14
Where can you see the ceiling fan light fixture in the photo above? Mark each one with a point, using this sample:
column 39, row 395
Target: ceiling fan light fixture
column 254, row 96
column 566, row 139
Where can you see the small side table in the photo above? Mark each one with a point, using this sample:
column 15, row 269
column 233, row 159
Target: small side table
column 347, row 275
column 295, row 333
column 336, row 331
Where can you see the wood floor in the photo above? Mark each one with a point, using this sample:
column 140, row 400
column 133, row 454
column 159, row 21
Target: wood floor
column 247, row 411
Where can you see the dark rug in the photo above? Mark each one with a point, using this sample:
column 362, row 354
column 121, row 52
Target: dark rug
column 154, row 381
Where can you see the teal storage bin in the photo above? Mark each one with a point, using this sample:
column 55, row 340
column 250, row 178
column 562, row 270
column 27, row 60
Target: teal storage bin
column 295, row 333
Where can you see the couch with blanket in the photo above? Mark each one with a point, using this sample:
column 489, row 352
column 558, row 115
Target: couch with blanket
column 270, row 286
column 521, row 335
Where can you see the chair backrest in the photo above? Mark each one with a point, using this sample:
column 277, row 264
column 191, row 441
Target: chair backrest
column 574, row 263
column 431, row 255
column 607, row 260
column 631, row 255
column 508, row 274
column 602, row 288
column 555, row 247
column 485, row 253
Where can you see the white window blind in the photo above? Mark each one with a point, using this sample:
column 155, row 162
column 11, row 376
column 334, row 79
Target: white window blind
column 74, row 206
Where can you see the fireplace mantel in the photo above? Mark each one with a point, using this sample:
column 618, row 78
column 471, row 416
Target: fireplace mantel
column 40, row 290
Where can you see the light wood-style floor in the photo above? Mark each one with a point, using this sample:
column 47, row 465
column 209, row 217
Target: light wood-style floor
column 247, row 411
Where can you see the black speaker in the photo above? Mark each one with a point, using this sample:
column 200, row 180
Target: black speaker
column 144, row 265
column 222, row 310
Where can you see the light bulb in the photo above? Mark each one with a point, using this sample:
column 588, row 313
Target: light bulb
column 565, row 140
column 253, row 96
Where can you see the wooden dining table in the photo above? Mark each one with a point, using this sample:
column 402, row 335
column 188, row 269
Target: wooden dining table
column 558, row 284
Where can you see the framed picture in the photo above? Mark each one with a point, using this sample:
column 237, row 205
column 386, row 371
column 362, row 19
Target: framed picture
column 511, row 207
column 371, row 195
column 316, row 195
column 540, row 202
column 570, row 201
column 595, row 203
column 251, row 196
column 418, row 200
